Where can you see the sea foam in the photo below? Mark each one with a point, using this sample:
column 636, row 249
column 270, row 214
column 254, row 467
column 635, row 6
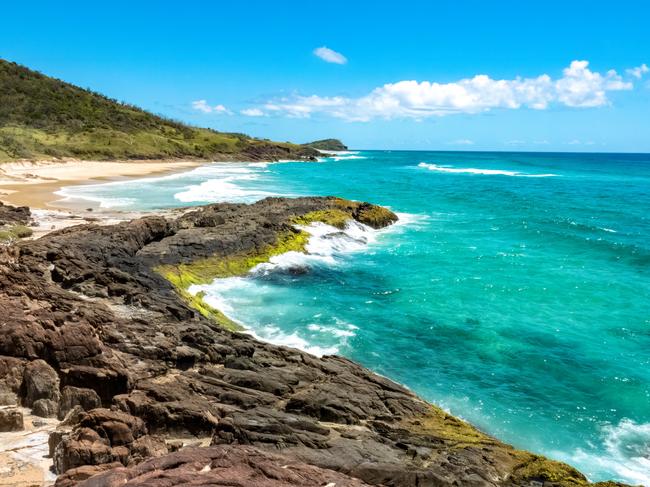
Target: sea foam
column 627, row 452
column 327, row 245
column 486, row 172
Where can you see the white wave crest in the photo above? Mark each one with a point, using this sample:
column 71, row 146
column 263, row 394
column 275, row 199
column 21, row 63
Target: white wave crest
column 73, row 193
column 325, row 244
column 346, row 158
column 486, row 172
column 224, row 186
column 627, row 447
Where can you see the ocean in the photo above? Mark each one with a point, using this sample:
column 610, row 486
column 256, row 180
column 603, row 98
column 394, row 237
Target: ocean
column 514, row 291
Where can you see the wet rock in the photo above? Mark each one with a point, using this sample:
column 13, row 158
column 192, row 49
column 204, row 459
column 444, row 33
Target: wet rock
column 11, row 419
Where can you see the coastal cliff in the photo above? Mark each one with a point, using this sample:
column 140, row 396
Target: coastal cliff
column 154, row 387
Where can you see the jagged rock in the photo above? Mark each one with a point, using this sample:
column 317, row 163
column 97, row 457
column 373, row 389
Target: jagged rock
column 233, row 466
column 75, row 475
column 71, row 396
column 11, row 419
column 11, row 215
column 73, row 417
column 84, row 446
column 45, row 408
column 40, row 381
column 54, row 439
column 88, row 306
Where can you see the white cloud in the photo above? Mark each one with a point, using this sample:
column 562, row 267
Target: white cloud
column 330, row 56
column 638, row 71
column 578, row 87
column 202, row 106
column 252, row 112
column 462, row 142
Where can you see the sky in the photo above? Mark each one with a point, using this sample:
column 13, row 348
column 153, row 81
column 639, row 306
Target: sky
column 431, row 75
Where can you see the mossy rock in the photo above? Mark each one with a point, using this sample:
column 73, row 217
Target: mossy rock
column 334, row 217
column 15, row 232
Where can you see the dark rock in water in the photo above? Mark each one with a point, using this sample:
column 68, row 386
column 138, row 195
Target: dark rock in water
column 87, row 309
column 45, row 408
column 11, row 420
column 40, row 381
column 233, row 466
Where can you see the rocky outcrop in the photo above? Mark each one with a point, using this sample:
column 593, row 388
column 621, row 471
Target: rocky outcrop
column 14, row 215
column 232, row 466
column 11, row 419
column 98, row 316
column 327, row 144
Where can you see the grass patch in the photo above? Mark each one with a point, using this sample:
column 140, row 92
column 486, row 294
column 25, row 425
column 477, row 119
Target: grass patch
column 15, row 232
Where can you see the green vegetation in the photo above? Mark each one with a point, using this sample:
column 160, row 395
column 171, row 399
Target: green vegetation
column 45, row 118
column 15, row 232
column 523, row 467
column 335, row 217
column 203, row 271
column 327, row 144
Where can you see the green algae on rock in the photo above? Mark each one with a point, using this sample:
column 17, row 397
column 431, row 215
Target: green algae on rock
column 106, row 321
column 205, row 269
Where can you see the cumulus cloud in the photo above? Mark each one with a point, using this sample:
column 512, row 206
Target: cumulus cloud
column 462, row 142
column 252, row 112
column 330, row 56
column 638, row 71
column 578, row 87
column 202, row 106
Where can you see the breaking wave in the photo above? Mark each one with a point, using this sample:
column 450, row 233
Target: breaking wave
column 486, row 172
column 627, row 452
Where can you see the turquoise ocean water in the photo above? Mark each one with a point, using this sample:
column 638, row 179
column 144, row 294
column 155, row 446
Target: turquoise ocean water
column 514, row 292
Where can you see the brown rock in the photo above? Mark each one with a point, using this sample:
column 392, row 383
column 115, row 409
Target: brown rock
column 232, row 466
column 11, row 419
column 40, row 381
column 71, row 396
column 45, row 408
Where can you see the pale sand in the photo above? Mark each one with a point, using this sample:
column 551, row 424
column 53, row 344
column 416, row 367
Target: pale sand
column 33, row 184
column 24, row 460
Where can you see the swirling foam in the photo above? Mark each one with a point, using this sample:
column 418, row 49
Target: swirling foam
column 627, row 447
column 485, row 172
column 224, row 185
column 326, row 246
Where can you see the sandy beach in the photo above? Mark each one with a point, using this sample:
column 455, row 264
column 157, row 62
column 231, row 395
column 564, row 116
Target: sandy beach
column 34, row 184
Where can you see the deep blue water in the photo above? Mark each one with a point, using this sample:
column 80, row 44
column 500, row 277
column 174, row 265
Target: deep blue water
column 515, row 292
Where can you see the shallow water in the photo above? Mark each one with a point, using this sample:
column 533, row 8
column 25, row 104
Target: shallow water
column 515, row 291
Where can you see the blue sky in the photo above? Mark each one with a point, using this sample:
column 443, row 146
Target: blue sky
column 404, row 74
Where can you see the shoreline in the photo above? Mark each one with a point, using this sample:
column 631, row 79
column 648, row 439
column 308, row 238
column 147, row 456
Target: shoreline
column 34, row 183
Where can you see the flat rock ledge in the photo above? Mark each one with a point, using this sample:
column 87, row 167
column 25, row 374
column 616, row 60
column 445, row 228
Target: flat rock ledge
column 151, row 390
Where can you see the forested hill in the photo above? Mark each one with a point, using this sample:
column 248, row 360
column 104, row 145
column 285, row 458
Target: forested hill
column 45, row 118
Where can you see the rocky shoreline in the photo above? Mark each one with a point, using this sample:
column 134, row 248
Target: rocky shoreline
column 151, row 388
